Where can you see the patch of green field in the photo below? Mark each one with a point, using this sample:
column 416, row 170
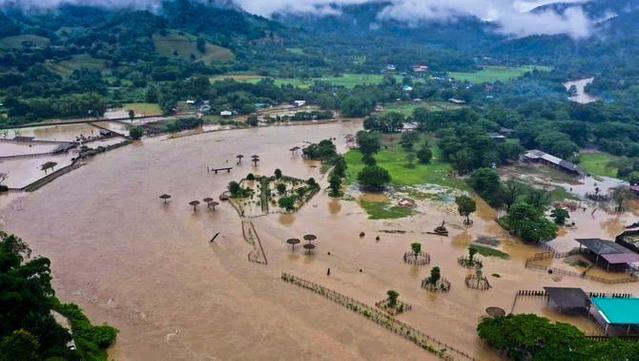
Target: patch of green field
column 559, row 194
column 489, row 252
column 66, row 67
column 143, row 108
column 394, row 161
column 14, row 42
column 296, row 51
column 384, row 210
column 491, row 74
column 598, row 164
column 184, row 46
column 346, row 80
column 407, row 108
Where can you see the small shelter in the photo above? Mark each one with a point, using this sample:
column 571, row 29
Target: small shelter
column 568, row 300
column 537, row 156
column 609, row 254
column 617, row 316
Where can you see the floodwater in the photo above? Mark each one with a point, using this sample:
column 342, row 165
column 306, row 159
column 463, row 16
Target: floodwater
column 24, row 171
column 10, row 148
column 62, row 133
column 149, row 270
column 581, row 96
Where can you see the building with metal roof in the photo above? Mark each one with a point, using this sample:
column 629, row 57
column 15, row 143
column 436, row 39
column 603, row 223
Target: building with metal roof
column 538, row 156
column 609, row 254
column 568, row 300
column 616, row 315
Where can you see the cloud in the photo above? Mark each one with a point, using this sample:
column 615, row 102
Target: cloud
column 511, row 17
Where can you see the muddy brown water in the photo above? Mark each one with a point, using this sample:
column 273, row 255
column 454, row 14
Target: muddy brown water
column 149, row 270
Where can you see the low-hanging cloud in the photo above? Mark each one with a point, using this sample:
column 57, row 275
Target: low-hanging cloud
column 511, row 17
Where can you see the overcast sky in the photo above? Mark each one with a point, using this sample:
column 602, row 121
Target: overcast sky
column 510, row 15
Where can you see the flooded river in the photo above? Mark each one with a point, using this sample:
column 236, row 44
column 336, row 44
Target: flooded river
column 581, row 96
column 149, row 270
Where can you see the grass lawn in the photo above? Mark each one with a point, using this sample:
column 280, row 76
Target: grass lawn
column 346, row 80
column 143, row 108
column 66, row 67
column 185, row 46
column 383, row 210
column 490, row 74
column 394, row 161
column 407, row 108
column 14, row 42
column 598, row 164
column 489, row 252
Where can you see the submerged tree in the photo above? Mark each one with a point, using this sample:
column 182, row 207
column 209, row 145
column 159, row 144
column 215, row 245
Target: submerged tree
column 465, row 206
column 435, row 276
column 392, row 298
column 559, row 215
column 417, row 249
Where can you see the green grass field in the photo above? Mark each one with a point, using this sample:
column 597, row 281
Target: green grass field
column 143, row 108
column 66, row 67
column 346, row 80
column 489, row 252
column 598, row 164
column 394, row 161
column 407, row 108
column 13, row 42
column 185, row 46
column 384, row 210
column 491, row 74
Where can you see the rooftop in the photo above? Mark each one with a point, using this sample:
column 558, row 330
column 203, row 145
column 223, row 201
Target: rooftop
column 567, row 297
column 601, row 246
column 618, row 311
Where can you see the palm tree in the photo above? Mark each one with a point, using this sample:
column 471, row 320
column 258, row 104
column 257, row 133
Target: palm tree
column 255, row 159
column 239, row 158
column 165, row 197
column 194, row 204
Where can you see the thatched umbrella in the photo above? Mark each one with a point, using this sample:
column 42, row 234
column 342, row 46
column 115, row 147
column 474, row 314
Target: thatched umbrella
column 255, row 159
column 293, row 242
column 165, row 197
column 309, row 247
column 213, row 204
column 495, row 312
column 194, row 204
column 208, row 201
column 239, row 158
column 310, row 238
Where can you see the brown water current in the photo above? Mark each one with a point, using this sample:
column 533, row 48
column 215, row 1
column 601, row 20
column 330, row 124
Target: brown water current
column 149, row 270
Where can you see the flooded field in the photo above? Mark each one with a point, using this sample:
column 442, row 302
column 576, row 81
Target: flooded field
column 581, row 96
column 26, row 170
column 10, row 148
column 64, row 133
column 149, row 269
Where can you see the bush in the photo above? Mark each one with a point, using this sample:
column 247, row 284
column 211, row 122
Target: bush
column 373, row 178
column 136, row 133
column 424, row 155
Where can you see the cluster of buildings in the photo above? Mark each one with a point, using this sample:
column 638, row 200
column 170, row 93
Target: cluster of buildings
column 538, row 156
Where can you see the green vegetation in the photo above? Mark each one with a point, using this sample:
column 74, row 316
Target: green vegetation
column 76, row 63
column 490, row 74
column 142, row 109
column 28, row 330
column 347, row 80
column 599, row 164
column 19, row 41
column 489, row 251
column 136, row 133
column 530, row 337
column 177, row 45
column 407, row 108
column 393, row 160
column 384, row 210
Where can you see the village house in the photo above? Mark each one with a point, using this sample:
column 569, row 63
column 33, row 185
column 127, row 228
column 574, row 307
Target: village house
column 537, row 156
column 608, row 254
column 420, row 68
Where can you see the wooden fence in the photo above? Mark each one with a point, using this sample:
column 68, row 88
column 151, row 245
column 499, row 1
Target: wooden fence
column 256, row 255
column 428, row 343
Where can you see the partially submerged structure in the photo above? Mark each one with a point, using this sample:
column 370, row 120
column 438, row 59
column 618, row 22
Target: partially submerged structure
column 629, row 239
column 618, row 316
column 568, row 300
column 608, row 254
column 537, row 156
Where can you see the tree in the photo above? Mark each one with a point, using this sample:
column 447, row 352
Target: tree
column 19, row 345
column 368, row 143
column 559, row 215
column 131, row 115
column 252, row 120
column 529, row 223
column 200, row 44
column 287, row 203
column 424, row 155
column 410, row 158
column 278, row 173
column 537, row 198
column 335, row 185
column 486, row 182
column 136, row 133
column 373, row 178
column 510, row 192
column 235, row 189
column 392, row 298
column 465, row 206
column 435, row 275
column 472, row 251
column 281, row 188
column 620, row 196
column 417, row 248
